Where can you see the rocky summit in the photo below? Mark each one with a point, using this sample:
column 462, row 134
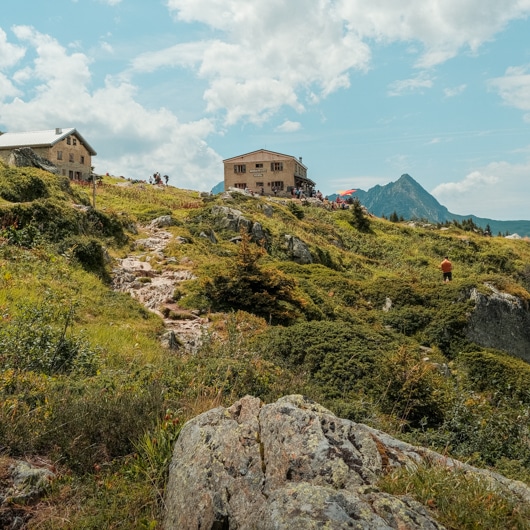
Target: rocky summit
column 294, row 465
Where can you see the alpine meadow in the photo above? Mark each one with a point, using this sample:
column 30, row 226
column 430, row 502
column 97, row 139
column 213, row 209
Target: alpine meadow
column 101, row 366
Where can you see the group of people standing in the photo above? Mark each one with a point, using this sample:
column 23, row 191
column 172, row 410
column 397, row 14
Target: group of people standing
column 157, row 179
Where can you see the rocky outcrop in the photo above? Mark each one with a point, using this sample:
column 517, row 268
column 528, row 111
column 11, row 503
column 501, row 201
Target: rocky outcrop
column 226, row 218
column 26, row 157
column 298, row 250
column 500, row 321
column 22, row 484
column 291, row 465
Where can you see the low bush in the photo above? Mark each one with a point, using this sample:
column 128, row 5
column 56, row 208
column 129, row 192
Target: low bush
column 498, row 374
column 40, row 339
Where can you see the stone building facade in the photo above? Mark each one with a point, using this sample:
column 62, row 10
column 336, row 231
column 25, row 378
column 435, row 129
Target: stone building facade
column 65, row 148
column 267, row 173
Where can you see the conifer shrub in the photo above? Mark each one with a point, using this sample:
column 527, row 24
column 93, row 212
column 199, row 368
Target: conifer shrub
column 296, row 210
column 497, row 373
column 358, row 218
column 339, row 357
column 247, row 286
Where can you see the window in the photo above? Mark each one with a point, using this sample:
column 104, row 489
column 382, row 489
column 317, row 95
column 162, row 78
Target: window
column 259, row 165
column 259, row 184
column 276, row 166
column 240, row 168
column 278, row 184
column 71, row 174
column 240, row 185
column 82, row 159
column 71, row 157
column 68, row 140
column 75, row 141
column 59, row 155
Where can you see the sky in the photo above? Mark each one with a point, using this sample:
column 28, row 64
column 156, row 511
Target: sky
column 363, row 90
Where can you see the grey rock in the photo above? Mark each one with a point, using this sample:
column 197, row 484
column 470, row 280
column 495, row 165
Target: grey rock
column 209, row 235
column 28, row 483
column 501, row 321
column 298, row 250
column 293, row 465
column 257, row 232
column 162, row 222
column 26, row 157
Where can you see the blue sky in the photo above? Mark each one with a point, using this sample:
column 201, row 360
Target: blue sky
column 362, row 91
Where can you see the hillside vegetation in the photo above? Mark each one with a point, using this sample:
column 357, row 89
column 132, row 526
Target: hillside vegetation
column 86, row 385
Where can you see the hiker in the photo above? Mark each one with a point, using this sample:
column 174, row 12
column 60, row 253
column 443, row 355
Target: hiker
column 166, row 178
column 447, row 268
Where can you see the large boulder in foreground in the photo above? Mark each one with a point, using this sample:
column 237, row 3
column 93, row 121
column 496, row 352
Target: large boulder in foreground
column 290, row 465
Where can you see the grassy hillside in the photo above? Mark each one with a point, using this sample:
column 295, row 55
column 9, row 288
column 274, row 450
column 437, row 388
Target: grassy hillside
column 86, row 385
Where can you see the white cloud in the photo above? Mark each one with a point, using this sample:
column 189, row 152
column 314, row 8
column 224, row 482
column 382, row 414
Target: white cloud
column 289, row 126
column 273, row 53
column 187, row 54
column 443, row 28
column 486, row 191
column 307, row 49
column 131, row 140
column 454, row 91
column 10, row 54
column 408, row 86
column 514, row 88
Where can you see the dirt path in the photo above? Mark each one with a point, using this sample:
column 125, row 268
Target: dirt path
column 139, row 275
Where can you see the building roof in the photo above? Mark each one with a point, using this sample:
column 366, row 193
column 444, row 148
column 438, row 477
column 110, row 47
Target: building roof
column 46, row 138
column 265, row 151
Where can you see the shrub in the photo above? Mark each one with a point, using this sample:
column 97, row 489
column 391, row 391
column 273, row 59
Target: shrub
column 498, row 373
column 39, row 338
column 296, row 210
column 88, row 252
column 247, row 286
column 358, row 218
column 416, row 392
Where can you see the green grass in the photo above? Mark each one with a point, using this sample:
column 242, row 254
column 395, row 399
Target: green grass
column 459, row 500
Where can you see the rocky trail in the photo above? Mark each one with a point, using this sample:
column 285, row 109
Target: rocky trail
column 142, row 274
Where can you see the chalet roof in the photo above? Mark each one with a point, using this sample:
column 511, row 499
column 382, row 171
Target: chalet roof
column 46, row 138
column 265, row 151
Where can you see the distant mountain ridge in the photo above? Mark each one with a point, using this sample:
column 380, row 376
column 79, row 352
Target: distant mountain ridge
column 409, row 200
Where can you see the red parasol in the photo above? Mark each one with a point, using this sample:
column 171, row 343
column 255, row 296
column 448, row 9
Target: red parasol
column 347, row 192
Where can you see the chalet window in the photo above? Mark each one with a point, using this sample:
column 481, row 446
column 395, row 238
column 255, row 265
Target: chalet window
column 71, row 157
column 59, row 155
column 278, row 184
column 71, row 174
column 240, row 185
column 259, row 184
column 68, row 140
column 276, row 166
column 240, row 168
column 75, row 141
column 259, row 165
column 82, row 159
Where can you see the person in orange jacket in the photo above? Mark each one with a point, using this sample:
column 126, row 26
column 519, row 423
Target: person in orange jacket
column 447, row 269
